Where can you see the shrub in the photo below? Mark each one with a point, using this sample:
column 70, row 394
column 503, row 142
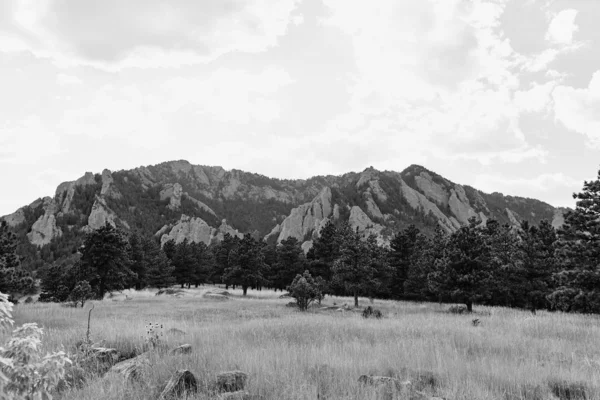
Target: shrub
column 25, row 373
column 457, row 309
column 370, row 312
column 81, row 292
column 305, row 290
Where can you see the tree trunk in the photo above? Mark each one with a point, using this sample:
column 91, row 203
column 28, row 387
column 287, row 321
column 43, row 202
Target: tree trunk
column 245, row 289
column 102, row 289
column 355, row 298
column 469, row 306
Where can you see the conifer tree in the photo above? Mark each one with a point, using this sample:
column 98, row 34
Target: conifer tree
column 402, row 248
column 578, row 252
column 246, row 264
column 13, row 278
column 160, row 269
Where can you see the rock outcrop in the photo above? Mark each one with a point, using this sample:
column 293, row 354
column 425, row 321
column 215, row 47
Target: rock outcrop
column 108, row 189
column 196, row 230
column 460, row 205
column 361, row 221
column 512, row 217
column 16, row 218
column 201, row 205
column 44, row 230
column 66, row 190
column 173, row 192
column 432, row 190
column 305, row 220
column 418, row 201
column 101, row 214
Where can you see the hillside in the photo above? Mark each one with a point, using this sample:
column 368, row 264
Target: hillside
column 178, row 200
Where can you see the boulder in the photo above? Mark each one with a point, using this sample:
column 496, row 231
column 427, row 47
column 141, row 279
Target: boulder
column 181, row 383
column 215, row 296
column 131, row 369
column 183, row 349
column 106, row 355
column 231, row 381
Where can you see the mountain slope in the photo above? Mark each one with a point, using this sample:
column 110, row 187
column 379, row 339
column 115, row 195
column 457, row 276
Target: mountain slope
column 178, row 200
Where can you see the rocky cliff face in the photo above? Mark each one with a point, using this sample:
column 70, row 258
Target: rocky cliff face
column 201, row 198
column 44, row 230
column 195, row 230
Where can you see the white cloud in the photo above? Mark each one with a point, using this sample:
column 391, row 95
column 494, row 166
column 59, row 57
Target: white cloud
column 562, row 27
column 536, row 99
column 230, row 95
column 142, row 33
column 540, row 183
column 577, row 109
column 26, row 140
column 65, row 80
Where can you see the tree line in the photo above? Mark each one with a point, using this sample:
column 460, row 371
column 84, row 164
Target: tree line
column 484, row 262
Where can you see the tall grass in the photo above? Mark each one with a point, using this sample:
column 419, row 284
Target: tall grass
column 288, row 354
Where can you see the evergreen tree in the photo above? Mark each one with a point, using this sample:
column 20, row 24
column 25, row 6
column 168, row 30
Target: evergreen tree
column 203, row 262
column 578, row 254
column 104, row 257
column 246, row 264
column 463, row 274
column 160, row 270
column 402, row 249
column 222, row 256
column 324, row 251
column 536, row 250
column 138, row 260
column 13, row 278
column 305, row 290
column 353, row 269
column 184, row 263
column 505, row 265
column 290, row 262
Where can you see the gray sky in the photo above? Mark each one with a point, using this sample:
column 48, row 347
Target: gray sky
column 503, row 95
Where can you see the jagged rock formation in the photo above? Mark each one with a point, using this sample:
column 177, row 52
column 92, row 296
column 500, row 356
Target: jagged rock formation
column 173, row 192
column 16, row 218
column 305, row 220
column 66, row 190
column 108, row 189
column 195, row 230
column 361, row 221
column 101, row 214
column 44, row 230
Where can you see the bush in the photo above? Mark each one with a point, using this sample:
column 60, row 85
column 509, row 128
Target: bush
column 370, row 312
column 457, row 310
column 25, row 373
column 81, row 292
column 305, row 290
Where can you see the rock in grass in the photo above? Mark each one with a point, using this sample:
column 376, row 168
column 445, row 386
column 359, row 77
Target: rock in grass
column 180, row 384
column 183, row 349
column 105, row 354
column 231, row 381
column 130, row 369
column 175, row 331
column 215, row 296
column 239, row 395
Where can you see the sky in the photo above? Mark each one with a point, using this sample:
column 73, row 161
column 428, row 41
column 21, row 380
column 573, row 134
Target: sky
column 502, row 95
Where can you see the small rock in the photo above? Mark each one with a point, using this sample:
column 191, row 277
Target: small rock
column 285, row 296
column 130, row 369
column 231, row 381
column 291, row 304
column 182, row 382
column 222, row 292
column 183, row 349
column 104, row 354
column 239, row 395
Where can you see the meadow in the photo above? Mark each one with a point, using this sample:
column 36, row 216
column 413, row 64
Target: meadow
column 292, row 355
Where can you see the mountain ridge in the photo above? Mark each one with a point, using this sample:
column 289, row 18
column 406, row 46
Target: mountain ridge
column 201, row 203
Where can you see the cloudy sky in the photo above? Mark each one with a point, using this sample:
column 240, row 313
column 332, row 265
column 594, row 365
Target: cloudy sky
column 503, row 95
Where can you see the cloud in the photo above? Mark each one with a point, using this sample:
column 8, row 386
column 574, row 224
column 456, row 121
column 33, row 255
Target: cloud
column 562, row 27
column 26, row 140
column 540, row 183
column 536, row 99
column 142, row 33
column 577, row 109
column 65, row 80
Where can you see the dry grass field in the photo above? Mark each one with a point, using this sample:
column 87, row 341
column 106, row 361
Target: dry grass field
column 291, row 355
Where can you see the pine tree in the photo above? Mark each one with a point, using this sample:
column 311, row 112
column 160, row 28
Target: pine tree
column 463, row 273
column 505, row 265
column 138, row 260
column 324, row 251
column 353, row 269
column 290, row 262
column 402, row 248
column 104, row 257
column 246, row 264
column 13, row 278
column 160, row 269
column 222, row 256
column 184, row 263
column 578, row 254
